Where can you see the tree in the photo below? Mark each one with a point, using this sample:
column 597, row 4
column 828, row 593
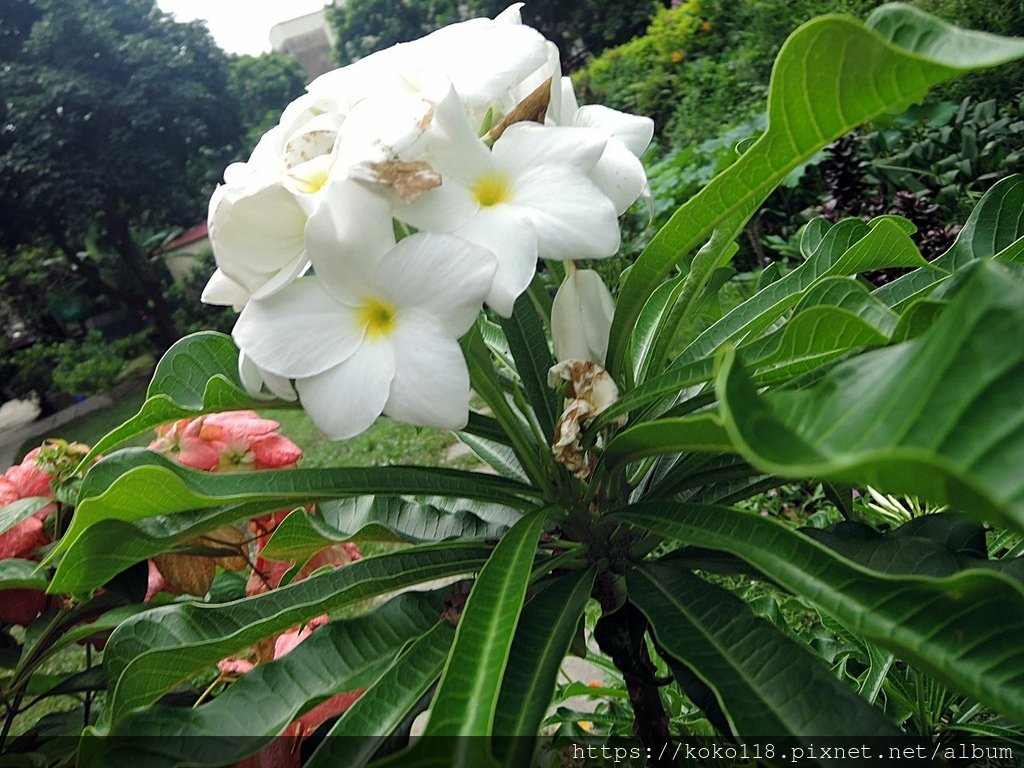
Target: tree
column 114, row 118
column 262, row 86
column 578, row 27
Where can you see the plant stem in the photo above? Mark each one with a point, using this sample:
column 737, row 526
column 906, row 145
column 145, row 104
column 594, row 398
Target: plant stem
column 650, row 721
column 9, row 720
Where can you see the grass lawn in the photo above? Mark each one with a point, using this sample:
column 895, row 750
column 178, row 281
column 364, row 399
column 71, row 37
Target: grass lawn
column 386, row 442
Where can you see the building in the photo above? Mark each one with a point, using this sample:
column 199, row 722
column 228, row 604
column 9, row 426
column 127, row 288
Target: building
column 308, row 38
column 180, row 254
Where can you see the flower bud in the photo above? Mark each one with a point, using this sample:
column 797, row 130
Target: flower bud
column 581, row 317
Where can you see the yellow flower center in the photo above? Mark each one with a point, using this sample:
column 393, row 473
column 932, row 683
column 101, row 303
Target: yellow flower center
column 491, row 189
column 315, row 181
column 378, row 316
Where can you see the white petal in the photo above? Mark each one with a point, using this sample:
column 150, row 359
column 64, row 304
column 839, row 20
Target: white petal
column 224, row 291
column 507, row 234
column 441, row 209
column 484, row 58
column 254, row 379
column 572, row 218
column 275, row 281
column 455, row 149
column 348, row 235
column 298, row 332
column 634, row 131
column 620, row 175
column 431, row 384
column 511, row 15
column 441, row 276
column 568, row 106
column 348, row 398
column 384, row 129
column 261, row 231
column 524, row 146
column 581, row 317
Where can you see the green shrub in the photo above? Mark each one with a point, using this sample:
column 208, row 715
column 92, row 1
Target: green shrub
column 642, row 75
column 90, row 365
column 29, row 370
column 184, row 297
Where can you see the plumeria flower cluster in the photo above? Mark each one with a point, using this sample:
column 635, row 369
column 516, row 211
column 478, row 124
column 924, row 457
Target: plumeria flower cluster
column 396, row 198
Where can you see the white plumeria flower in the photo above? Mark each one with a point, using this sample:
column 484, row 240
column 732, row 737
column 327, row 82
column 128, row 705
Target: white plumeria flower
column 619, row 172
column 483, row 58
column 257, row 229
column 581, row 316
column 528, row 196
column 376, row 329
column 255, row 380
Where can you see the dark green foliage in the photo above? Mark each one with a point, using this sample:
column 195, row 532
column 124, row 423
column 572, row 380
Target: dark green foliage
column 190, row 313
column 579, row 28
column 704, row 66
column 90, row 365
column 114, row 119
column 262, row 86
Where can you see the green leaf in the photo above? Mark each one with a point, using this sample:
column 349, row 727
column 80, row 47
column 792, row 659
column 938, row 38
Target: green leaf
column 134, row 484
column 341, row 656
column 832, row 74
column 151, row 653
column 21, row 510
column 907, row 552
column 688, row 296
column 848, row 248
column 497, row 456
column 107, row 547
column 372, row 518
column 22, row 574
column 528, row 342
column 545, row 632
column 938, row 417
column 767, row 684
column 648, row 324
column 484, row 378
column 467, row 697
column 387, row 703
column 703, row 432
column 964, row 629
column 994, row 230
column 197, row 375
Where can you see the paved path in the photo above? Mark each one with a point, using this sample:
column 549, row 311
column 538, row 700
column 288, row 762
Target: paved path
column 13, row 433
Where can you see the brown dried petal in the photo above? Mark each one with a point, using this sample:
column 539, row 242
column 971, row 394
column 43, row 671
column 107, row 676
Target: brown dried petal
column 190, row 574
column 228, row 537
column 409, row 180
column 534, row 107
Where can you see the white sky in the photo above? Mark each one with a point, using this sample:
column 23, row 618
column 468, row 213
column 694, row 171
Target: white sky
column 240, row 26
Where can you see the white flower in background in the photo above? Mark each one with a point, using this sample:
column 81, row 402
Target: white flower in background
column 581, row 316
column 376, row 330
column 619, row 172
column 527, row 196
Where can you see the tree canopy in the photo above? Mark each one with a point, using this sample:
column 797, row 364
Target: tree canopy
column 114, row 117
column 578, row 27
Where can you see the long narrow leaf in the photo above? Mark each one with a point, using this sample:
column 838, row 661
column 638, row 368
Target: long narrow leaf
column 767, row 684
column 857, row 73
column 964, row 629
